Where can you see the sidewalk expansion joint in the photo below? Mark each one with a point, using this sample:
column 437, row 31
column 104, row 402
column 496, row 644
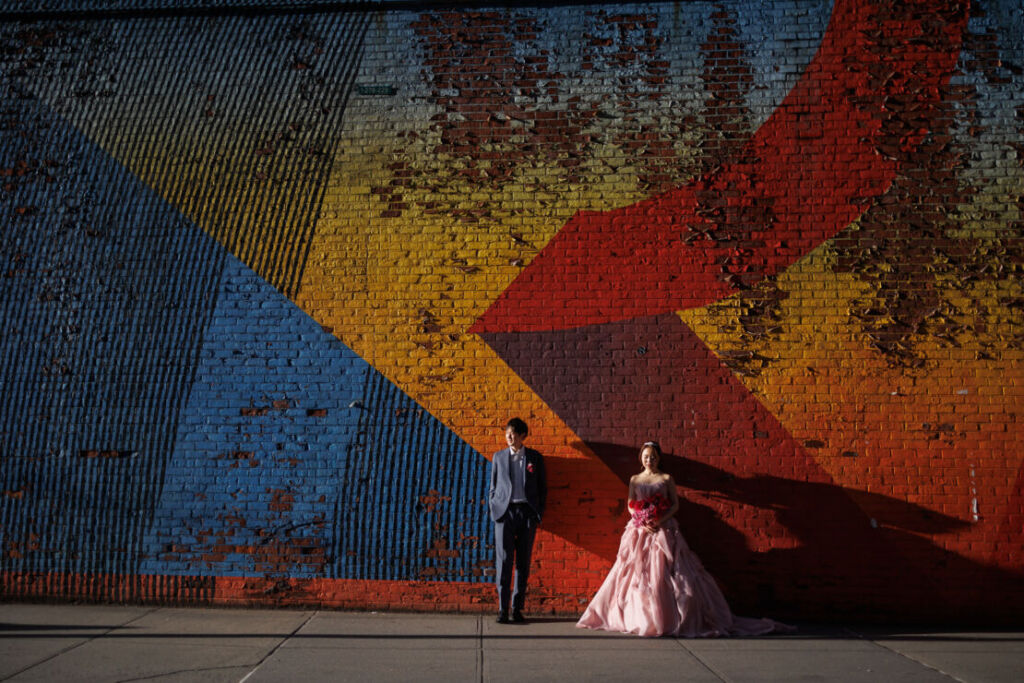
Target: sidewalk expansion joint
column 480, row 649
column 904, row 655
column 278, row 646
column 168, row 674
column 718, row 674
column 78, row 645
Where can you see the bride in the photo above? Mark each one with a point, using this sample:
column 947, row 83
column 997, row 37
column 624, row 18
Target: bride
column 657, row 585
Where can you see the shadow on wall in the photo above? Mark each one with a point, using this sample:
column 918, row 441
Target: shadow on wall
column 767, row 520
column 824, row 545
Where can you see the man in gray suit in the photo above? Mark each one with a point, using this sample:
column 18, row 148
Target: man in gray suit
column 517, row 496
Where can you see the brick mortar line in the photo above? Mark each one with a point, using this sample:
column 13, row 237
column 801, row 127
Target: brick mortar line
column 187, row 11
column 84, row 642
column 269, row 9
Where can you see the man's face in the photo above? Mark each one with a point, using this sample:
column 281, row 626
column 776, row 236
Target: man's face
column 513, row 438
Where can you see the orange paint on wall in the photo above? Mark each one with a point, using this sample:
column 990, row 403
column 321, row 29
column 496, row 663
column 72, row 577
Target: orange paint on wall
column 931, row 436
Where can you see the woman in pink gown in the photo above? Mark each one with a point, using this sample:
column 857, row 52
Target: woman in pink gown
column 658, row 586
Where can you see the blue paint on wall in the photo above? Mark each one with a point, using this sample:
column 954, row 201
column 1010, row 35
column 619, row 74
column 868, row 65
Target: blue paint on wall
column 294, row 457
column 106, row 292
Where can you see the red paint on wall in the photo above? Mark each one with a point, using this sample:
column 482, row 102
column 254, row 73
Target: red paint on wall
column 235, row 591
column 829, row 149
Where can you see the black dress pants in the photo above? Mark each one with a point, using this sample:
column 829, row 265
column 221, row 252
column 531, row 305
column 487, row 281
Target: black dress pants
column 513, row 544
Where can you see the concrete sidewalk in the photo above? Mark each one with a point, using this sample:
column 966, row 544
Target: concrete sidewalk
column 113, row 643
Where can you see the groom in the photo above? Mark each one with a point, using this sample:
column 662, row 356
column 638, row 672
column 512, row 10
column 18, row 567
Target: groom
column 517, row 496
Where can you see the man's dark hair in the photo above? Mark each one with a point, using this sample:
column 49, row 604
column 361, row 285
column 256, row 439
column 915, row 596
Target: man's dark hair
column 518, row 426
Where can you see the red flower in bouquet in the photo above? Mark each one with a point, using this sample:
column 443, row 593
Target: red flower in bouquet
column 644, row 513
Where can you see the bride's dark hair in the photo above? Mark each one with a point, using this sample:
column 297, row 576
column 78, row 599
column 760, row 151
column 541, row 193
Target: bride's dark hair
column 652, row 444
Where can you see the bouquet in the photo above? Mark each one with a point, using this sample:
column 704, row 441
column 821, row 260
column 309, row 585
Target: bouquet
column 648, row 511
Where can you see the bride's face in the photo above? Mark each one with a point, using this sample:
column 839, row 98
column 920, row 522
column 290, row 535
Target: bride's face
column 649, row 458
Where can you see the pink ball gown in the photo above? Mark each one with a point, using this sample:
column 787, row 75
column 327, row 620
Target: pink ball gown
column 658, row 587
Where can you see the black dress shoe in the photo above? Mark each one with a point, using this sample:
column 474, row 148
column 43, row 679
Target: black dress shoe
column 517, row 616
column 502, row 618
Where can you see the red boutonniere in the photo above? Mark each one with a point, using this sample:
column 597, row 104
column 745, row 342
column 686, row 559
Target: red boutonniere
column 529, row 467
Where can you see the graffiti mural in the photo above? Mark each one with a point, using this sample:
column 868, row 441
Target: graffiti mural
column 274, row 280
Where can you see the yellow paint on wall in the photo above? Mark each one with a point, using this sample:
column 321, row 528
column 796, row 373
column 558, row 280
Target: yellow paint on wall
column 401, row 291
column 411, row 248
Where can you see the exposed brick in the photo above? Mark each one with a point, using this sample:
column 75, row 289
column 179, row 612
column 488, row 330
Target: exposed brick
column 263, row 325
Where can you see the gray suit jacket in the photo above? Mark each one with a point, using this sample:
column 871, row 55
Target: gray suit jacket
column 500, row 493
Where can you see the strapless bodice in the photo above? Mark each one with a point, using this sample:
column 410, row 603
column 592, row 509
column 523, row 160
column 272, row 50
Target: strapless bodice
column 643, row 491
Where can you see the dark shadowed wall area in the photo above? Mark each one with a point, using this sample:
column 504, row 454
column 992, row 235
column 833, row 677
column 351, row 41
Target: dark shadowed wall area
column 274, row 275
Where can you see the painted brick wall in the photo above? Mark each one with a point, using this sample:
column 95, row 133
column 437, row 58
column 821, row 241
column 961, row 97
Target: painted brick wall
column 275, row 274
